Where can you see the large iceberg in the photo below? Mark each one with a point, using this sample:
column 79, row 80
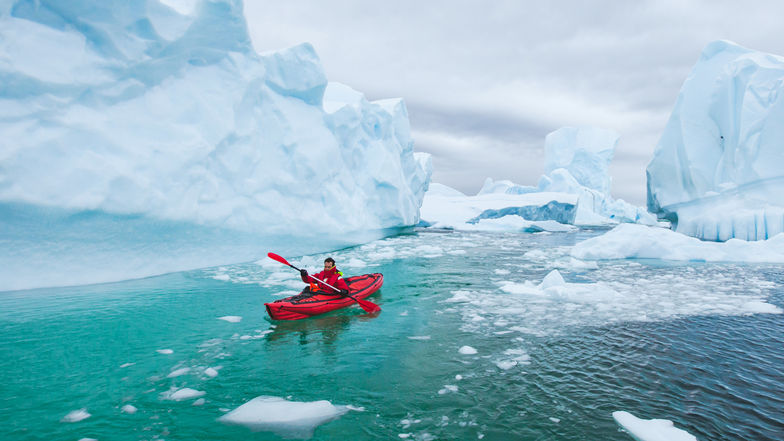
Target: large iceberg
column 575, row 189
column 140, row 139
column 717, row 170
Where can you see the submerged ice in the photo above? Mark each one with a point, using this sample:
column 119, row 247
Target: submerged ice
column 140, row 139
column 716, row 171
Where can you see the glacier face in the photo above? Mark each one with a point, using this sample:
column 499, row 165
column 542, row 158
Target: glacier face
column 717, row 169
column 141, row 139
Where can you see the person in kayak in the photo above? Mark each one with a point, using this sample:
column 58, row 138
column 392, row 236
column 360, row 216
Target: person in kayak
column 330, row 275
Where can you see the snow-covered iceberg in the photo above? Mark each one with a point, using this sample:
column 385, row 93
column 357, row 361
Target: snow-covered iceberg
column 140, row 139
column 717, row 170
column 575, row 189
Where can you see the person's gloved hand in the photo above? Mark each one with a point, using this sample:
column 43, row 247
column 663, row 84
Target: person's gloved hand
column 303, row 273
column 344, row 292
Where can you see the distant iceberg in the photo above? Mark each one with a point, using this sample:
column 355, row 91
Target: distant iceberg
column 717, row 170
column 574, row 190
column 140, row 139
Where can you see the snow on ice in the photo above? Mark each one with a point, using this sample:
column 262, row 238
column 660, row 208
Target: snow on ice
column 135, row 146
column 716, row 173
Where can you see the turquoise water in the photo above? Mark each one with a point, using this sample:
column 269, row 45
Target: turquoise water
column 677, row 341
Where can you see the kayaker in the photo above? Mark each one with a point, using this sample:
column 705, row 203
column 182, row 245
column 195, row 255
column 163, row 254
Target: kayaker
column 330, row 275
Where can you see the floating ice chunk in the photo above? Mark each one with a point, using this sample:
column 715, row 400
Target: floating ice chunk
column 554, row 278
column 506, row 364
column 76, row 415
column 164, row 351
column 642, row 242
column 231, row 318
column 199, row 402
column 178, row 372
column 182, row 394
column 286, row 418
column 129, row 409
column 211, row 372
column 651, row 430
column 555, row 420
column 419, row 337
column 501, row 272
column 467, row 350
column 125, row 365
column 447, row 389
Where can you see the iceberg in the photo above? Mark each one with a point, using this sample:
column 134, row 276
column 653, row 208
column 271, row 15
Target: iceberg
column 628, row 241
column 577, row 160
column 149, row 137
column 574, row 190
column 716, row 172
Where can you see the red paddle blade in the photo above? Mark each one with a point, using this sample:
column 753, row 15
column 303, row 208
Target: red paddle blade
column 274, row 256
column 369, row 307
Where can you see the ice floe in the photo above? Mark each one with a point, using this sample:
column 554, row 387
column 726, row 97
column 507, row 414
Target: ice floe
column 164, row 351
column 651, row 430
column 231, row 318
column 76, row 415
column 467, row 350
column 185, row 393
column 178, row 372
column 129, row 409
column 293, row 419
column 642, row 242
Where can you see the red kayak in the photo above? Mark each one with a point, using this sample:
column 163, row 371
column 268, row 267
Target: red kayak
column 305, row 304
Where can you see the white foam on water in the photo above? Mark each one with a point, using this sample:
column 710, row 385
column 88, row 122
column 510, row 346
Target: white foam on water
column 651, row 430
column 231, row 318
column 555, row 420
column 222, row 277
column 76, row 416
column 129, row 409
column 164, row 351
column 501, row 272
column 419, row 337
column 211, row 372
column 286, row 418
column 185, row 393
column 125, row 365
column 199, row 402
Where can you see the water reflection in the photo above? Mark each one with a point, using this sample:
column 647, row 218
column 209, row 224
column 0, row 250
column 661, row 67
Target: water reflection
column 324, row 329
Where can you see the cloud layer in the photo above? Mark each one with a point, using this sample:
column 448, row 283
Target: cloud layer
column 485, row 82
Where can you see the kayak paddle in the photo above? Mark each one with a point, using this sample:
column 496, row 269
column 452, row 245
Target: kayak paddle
column 369, row 307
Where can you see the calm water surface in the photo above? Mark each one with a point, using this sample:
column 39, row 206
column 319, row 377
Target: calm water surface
column 657, row 339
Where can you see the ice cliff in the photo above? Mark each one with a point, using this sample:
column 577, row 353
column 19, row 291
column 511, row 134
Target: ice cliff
column 717, row 170
column 140, row 139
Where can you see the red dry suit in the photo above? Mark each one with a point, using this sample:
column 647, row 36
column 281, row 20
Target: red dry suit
column 331, row 276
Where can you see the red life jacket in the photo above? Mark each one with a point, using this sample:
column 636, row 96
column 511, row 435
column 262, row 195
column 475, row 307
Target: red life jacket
column 332, row 277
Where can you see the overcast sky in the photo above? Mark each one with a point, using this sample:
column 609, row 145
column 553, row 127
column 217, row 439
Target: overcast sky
column 486, row 81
